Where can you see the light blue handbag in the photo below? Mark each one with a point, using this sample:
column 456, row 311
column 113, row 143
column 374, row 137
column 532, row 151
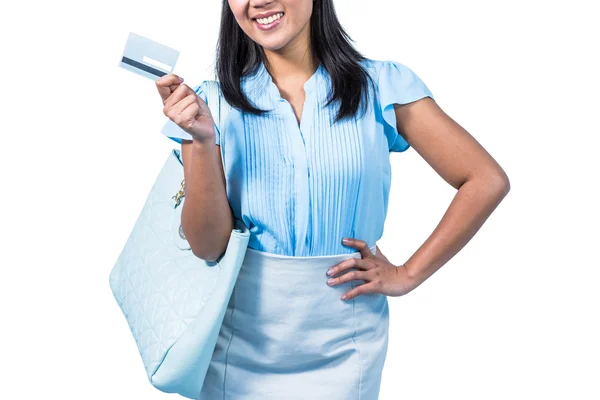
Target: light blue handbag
column 175, row 302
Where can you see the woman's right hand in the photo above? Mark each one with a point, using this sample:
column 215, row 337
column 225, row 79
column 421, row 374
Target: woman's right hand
column 184, row 107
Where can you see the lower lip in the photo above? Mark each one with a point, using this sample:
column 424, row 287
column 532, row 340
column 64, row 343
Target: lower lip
column 270, row 26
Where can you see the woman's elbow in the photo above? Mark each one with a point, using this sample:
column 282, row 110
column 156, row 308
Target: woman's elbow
column 210, row 251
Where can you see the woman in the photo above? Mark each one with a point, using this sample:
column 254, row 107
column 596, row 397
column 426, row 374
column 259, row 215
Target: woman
column 307, row 165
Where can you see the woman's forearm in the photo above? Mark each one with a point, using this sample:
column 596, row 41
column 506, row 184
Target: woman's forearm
column 206, row 217
column 473, row 203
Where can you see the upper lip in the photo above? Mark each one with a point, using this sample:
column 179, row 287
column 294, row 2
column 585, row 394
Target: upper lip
column 266, row 14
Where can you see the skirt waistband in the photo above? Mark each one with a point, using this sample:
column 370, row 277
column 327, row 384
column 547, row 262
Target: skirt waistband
column 266, row 259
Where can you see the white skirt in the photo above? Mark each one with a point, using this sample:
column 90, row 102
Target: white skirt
column 287, row 334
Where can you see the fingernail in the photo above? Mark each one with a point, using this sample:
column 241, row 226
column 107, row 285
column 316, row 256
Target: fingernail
column 345, row 241
column 180, row 79
column 330, row 281
column 344, row 297
column 330, row 272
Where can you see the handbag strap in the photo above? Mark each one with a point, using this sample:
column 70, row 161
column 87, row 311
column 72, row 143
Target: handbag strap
column 219, row 109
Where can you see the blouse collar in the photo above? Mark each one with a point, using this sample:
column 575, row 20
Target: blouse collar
column 260, row 83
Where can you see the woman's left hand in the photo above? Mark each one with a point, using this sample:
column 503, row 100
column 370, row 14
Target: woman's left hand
column 379, row 274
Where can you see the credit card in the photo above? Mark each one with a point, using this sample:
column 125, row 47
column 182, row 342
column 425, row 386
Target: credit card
column 147, row 57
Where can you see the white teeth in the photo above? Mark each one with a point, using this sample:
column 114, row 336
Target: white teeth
column 266, row 21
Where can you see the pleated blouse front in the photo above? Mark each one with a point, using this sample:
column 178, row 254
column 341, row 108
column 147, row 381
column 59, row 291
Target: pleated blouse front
column 301, row 188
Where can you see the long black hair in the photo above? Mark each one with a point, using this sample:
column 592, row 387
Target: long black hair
column 238, row 55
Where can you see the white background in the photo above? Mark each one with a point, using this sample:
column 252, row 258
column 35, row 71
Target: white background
column 514, row 315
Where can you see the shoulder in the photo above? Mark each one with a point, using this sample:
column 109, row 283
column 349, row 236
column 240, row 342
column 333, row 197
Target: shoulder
column 396, row 81
column 208, row 89
column 384, row 70
column 372, row 64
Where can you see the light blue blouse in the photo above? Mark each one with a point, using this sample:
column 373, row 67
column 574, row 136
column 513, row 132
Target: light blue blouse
column 301, row 188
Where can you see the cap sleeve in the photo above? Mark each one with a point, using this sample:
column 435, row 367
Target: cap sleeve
column 174, row 132
column 398, row 84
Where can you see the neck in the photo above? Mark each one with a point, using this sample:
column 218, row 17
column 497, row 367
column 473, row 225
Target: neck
column 292, row 63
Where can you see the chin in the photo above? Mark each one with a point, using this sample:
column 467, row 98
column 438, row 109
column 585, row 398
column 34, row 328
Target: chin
column 272, row 45
column 273, row 48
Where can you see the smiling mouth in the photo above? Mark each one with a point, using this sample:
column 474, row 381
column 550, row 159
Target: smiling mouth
column 269, row 20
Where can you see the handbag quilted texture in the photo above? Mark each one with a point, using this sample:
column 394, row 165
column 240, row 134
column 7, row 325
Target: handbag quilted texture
column 173, row 301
